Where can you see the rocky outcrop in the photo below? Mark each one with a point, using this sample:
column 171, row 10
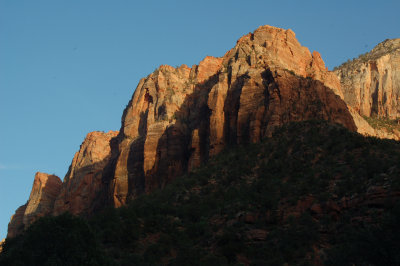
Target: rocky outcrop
column 179, row 117
column 371, row 83
column 82, row 183
column 279, row 48
column 45, row 189
column 16, row 224
column 83, row 180
column 40, row 203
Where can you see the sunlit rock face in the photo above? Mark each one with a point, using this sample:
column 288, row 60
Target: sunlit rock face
column 179, row 117
column 40, row 203
column 371, row 83
column 77, row 194
column 83, row 181
column 45, row 189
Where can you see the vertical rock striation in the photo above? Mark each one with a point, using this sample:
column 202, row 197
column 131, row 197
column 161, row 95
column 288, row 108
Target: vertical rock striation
column 371, row 83
column 179, row 117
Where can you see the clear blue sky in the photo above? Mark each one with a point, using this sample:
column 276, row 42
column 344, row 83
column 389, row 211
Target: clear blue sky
column 70, row 67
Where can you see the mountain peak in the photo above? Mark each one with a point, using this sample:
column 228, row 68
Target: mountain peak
column 179, row 117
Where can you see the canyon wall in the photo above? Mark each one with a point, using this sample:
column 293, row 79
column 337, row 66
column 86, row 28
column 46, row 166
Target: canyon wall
column 179, row 117
column 371, row 83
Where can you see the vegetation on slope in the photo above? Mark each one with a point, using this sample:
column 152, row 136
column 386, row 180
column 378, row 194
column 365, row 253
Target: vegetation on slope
column 383, row 48
column 313, row 193
column 390, row 125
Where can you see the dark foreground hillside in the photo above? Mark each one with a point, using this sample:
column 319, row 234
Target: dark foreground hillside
column 314, row 193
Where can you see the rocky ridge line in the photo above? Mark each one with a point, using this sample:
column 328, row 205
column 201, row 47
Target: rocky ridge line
column 179, row 117
column 371, row 82
column 45, row 189
column 81, row 185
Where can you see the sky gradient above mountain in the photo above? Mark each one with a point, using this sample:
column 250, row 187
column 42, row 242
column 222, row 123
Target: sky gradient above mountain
column 68, row 68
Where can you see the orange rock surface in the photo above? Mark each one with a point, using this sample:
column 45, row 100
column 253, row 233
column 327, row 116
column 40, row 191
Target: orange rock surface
column 40, row 203
column 179, row 117
column 83, row 181
column 371, row 83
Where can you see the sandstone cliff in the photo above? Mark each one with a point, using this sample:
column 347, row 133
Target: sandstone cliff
column 16, row 225
column 40, row 203
column 371, row 83
column 82, row 183
column 331, row 194
column 178, row 117
column 83, row 180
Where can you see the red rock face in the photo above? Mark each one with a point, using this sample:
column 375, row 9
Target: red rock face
column 279, row 48
column 78, row 192
column 179, row 117
column 15, row 226
column 41, row 201
column 83, row 180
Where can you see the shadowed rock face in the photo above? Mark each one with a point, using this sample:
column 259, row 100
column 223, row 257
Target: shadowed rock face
column 83, row 180
column 179, row 117
column 16, row 225
column 40, row 203
column 371, row 83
